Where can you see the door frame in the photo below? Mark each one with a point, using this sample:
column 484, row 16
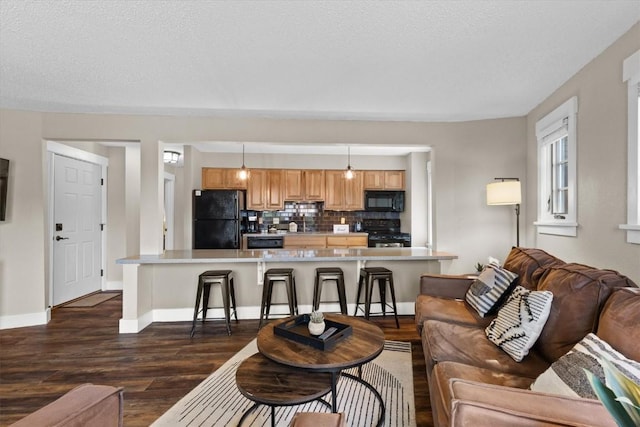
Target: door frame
column 54, row 148
column 169, row 209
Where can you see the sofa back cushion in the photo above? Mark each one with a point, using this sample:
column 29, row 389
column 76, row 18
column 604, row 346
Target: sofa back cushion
column 579, row 294
column 620, row 322
column 529, row 264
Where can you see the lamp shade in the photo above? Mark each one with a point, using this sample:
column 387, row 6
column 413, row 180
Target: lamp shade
column 504, row 193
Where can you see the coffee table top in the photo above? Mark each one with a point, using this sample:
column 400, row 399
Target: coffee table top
column 264, row 381
column 365, row 344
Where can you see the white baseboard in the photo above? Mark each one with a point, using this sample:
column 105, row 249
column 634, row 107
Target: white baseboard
column 133, row 326
column 244, row 313
column 114, row 285
column 24, row 320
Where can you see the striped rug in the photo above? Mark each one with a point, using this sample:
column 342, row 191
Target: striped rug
column 217, row 402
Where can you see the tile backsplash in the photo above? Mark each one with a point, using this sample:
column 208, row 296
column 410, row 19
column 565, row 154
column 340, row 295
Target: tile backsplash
column 310, row 217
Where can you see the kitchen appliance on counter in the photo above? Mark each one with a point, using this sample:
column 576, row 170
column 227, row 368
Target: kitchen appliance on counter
column 384, row 201
column 385, row 233
column 216, row 219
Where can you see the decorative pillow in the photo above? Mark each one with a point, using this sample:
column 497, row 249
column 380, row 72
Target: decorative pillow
column 487, row 290
column 566, row 377
column 520, row 321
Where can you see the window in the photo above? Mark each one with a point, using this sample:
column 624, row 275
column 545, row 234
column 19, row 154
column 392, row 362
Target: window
column 556, row 135
column 631, row 75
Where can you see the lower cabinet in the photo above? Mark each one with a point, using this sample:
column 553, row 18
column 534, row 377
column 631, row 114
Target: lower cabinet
column 310, row 241
column 346, row 242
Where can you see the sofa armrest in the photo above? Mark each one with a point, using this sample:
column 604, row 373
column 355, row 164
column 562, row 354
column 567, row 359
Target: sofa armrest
column 85, row 405
column 445, row 286
column 475, row 404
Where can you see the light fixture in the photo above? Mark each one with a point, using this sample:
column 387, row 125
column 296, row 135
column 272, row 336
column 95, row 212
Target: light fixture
column 171, row 157
column 348, row 173
column 243, row 174
column 506, row 192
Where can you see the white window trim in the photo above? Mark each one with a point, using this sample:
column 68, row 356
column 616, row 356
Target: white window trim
column 631, row 75
column 545, row 126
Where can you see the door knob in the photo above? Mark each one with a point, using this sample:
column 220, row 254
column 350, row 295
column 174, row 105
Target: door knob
column 58, row 238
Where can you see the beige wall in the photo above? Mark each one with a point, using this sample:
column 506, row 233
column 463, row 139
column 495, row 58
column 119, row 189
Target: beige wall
column 601, row 166
column 465, row 155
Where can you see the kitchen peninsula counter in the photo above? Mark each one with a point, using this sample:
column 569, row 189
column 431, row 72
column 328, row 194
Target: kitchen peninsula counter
column 162, row 288
column 200, row 256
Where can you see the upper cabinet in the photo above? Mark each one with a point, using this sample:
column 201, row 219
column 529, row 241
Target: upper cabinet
column 264, row 189
column 384, row 180
column 343, row 194
column 267, row 189
column 222, row 179
column 304, row 185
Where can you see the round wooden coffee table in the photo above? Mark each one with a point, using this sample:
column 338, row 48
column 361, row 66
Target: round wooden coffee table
column 365, row 344
column 269, row 383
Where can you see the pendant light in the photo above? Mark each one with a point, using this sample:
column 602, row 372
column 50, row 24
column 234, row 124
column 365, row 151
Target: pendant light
column 244, row 172
column 348, row 173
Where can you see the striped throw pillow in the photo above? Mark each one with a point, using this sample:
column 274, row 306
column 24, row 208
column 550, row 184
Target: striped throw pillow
column 487, row 290
column 520, row 321
column 566, row 377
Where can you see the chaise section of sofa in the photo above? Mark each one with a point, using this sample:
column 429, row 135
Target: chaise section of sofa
column 86, row 405
column 457, row 351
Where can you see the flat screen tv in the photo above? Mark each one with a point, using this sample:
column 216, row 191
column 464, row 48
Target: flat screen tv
column 4, row 186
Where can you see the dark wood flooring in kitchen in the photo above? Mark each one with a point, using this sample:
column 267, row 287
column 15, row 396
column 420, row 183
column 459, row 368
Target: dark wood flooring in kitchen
column 156, row 367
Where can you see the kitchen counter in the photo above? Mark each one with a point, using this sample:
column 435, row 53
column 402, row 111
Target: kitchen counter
column 162, row 288
column 200, row 256
column 306, row 233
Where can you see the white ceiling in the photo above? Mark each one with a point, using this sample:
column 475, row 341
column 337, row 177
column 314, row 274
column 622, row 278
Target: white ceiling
column 383, row 60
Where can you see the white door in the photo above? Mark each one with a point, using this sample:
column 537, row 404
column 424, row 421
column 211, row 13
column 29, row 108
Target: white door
column 77, row 236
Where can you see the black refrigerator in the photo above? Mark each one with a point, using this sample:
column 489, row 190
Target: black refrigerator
column 216, row 219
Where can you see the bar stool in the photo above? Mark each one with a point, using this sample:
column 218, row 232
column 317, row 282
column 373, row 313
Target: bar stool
column 224, row 278
column 275, row 275
column 333, row 274
column 369, row 275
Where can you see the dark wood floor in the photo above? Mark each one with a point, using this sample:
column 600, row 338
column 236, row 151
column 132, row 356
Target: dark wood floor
column 156, row 367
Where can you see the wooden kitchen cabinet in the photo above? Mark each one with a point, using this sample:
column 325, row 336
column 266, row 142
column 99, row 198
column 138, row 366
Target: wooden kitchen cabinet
column 222, row 179
column 384, row 180
column 264, row 190
column 304, row 241
column 394, row 180
column 303, row 185
column 343, row 194
column 334, row 242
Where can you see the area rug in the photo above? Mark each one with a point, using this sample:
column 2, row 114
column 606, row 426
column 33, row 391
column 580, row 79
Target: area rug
column 91, row 300
column 217, row 402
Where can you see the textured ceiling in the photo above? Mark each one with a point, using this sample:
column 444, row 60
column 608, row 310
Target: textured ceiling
column 383, row 60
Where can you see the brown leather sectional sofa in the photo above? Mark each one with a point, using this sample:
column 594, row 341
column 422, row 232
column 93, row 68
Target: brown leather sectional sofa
column 472, row 382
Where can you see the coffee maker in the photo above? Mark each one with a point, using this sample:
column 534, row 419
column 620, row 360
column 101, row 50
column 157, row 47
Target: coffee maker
column 252, row 222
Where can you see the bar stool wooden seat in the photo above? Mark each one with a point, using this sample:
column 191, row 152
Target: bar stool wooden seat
column 383, row 276
column 333, row 274
column 224, row 278
column 278, row 275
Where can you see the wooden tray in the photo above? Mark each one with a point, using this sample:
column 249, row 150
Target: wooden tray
column 297, row 330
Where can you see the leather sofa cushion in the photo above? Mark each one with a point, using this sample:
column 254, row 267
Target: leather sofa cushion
column 448, row 310
column 444, row 372
column 579, row 294
column 529, row 264
column 476, row 404
column 449, row 342
column 619, row 324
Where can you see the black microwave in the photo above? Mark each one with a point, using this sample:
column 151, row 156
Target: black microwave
column 384, row 201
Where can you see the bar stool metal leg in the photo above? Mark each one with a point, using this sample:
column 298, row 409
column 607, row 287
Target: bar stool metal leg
column 197, row 307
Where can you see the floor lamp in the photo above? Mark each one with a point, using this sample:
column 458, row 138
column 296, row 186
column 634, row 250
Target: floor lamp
column 506, row 191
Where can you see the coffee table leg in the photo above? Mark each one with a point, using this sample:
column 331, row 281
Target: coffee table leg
column 334, row 394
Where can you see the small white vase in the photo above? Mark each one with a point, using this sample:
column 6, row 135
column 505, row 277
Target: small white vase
column 316, row 328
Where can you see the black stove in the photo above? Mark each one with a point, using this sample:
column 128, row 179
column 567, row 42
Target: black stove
column 385, row 233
